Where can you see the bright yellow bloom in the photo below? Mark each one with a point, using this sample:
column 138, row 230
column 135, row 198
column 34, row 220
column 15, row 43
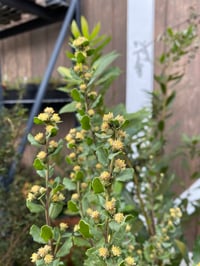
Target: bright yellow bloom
column 84, row 185
column 89, row 211
column 41, row 155
column 103, row 252
column 175, row 212
column 130, row 261
column 48, row 258
column 198, row 264
column 42, row 252
column 83, row 87
column 39, row 136
column 76, row 168
column 98, row 166
column 120, row 119
column 34, row 257
column 55, row 118
column 108, row 117
column 116, row 251
column 75, row 196
column 72, row 155
column 47, row 248
column 120, row 164
column 128, row 228
column 53, row 144
column 49, row 128
column 95, row 215
column 91, row 112
column 78, row 106
column 119, row 217
column 63, row 226
column 30, row 197
column 92, row 93
column 49, row 110
column 35, row 189
column 105, row 126
column 79, row 41
column 105, row 176
column 80, row 135
column 43, row 117
column 122, row 134
column 110, row 205
column 116, row 145
column 69, row 137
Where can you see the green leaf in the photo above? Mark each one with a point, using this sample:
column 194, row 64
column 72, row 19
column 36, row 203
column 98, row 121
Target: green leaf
column 46, row 233
column 64, row 72
column 196, row 253
column 35, row 233
column 84, row 229
column 95, row 31
column 32, row 140
column 37, row 121
column 161, row 125
column 80, row 242
column 55, row 209
column 84, row 27
column 68, row 108
column 182, row 248
column 38, row 164
column 76, row 95
column 65, row 248
column 75, row 30
column 85, row 122
column 125, row 175
column 79, row 176
column 170, row 98
column 34, row 207
column 97, row 185
column 69, row 185
column 72, row 206
column 101, row 65
column 102, row 155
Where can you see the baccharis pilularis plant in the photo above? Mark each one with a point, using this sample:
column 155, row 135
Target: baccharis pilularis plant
column 118, row 225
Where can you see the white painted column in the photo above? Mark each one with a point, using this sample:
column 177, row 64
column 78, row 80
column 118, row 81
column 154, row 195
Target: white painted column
column 140, row 53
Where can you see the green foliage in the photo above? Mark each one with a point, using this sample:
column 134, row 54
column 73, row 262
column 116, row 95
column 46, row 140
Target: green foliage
column 121, row 193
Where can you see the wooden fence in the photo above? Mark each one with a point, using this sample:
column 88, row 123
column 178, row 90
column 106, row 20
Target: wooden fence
column 25, row 56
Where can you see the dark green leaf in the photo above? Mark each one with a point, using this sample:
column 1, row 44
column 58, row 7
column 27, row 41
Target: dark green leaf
column 46, row 233
column 68, row 108
column 76, row 95
column 72, row 206
column 38, row 164
column 69, row 185
column 161, row 125
column 65, row 248
column 35, row 233
column 97, row 185
column 125, row 175
column 84, row 229
column 34, row 207
column 85, row 122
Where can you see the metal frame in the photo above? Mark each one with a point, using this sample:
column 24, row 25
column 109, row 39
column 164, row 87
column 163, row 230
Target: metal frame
column 73, row 10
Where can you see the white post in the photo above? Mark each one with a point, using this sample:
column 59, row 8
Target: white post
column 140, row 53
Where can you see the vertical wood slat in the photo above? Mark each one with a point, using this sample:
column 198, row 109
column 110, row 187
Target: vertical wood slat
column 186, row 105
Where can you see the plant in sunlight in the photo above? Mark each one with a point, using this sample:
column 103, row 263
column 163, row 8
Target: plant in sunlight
column 118, row 177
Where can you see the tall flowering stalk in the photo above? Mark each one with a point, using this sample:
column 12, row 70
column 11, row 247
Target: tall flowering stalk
column 118, row 225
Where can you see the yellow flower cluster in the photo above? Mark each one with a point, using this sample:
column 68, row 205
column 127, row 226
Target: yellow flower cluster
column 58, row 197
column 95, row 215
column 105, row 176
column 63, row 226
column 49, row 116
column 119, row 217
column 175, row 213
column 110, row 205
column 39, row 137
column 80, row 41
column 35, row 192
column 103, row 252
column 116, row 145
column 41, row 155
column 75, row 136
column 43, row 253
column 119, row 165
column 116, row 251
column 129, row 261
